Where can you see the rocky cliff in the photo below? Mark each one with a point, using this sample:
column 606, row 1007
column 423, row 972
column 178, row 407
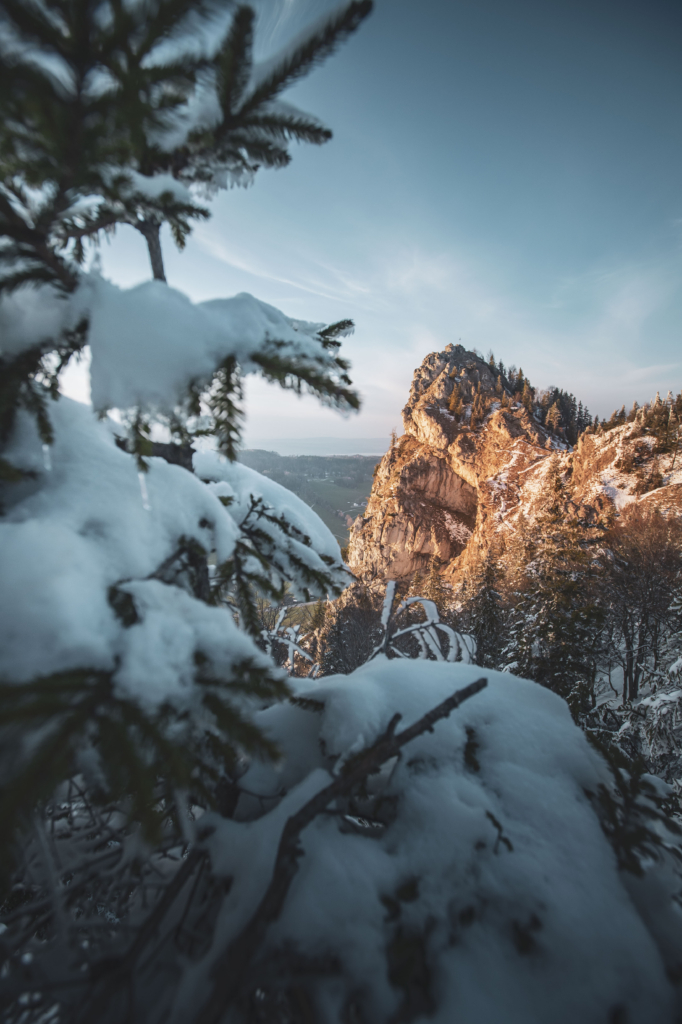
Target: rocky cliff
column 476, row 456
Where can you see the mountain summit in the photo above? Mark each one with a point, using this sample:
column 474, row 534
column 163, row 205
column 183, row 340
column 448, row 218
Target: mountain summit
column 480, row 448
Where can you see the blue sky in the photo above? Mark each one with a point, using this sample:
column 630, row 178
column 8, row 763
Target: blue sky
column 503, row 172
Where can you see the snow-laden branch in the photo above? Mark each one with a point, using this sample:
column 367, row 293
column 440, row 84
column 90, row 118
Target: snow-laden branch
column 460, row 647
column 229, row 969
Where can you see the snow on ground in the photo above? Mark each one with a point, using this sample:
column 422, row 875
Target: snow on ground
column 674, row 477
column 499, row 482
column 612, row 484
column 457, row 529
column 494, row 871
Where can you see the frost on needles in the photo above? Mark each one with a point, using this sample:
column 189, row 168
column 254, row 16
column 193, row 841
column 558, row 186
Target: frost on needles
column 187, row 834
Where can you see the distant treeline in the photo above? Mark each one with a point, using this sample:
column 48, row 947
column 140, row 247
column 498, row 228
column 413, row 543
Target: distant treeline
column 560, row 412
column 557, row 410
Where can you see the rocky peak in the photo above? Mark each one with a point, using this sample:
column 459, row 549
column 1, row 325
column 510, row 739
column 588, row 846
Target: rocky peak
column 475, row 457
column 455, row 393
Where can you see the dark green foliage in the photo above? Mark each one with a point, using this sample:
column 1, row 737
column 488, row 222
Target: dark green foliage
column 555, row 626
column 78, row 722
column 563, row 415
column 434, row 589
column 105, row 107
column 557, row 410
column 455, row 404
column 77, row 130
column 29, row 382
column 639, row 591
column 480, row 406
column 638, row 822
column 300, row 374
column 484, row 612
column 102, row 790
column 224, row 405
column 662, row 420
column 262, row 563
column 351, row 630
column 79, row 147
column 214, row 408
column 68, row 126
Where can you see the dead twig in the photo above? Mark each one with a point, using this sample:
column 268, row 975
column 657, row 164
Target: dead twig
column 110, row 975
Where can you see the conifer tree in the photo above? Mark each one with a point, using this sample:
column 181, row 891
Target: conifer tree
column 527, row 398
column 553, row 419
column 77, row 160
column 483, row 609
column 557, row 620
column 639, row 591
column 434, row 588
column 126, row 686
column 134, row 146
column 455, row 403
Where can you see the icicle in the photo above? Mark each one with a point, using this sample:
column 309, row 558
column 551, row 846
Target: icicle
column 47, row 458
column 143, row 491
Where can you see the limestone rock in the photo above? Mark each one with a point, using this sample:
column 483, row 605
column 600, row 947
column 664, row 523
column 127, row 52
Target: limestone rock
column 473, row 460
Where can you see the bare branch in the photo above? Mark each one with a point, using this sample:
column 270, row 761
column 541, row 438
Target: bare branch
column 229, row 969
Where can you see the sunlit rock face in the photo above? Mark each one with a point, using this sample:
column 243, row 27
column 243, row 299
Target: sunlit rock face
column 455, row 484
column 418, row 507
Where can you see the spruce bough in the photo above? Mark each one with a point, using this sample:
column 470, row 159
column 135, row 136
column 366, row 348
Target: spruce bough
column 97, row 130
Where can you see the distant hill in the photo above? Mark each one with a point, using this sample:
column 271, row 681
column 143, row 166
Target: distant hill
column 320, row 445
column 336, row 486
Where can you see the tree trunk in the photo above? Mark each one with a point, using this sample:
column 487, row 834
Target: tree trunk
column 152, row 232
column 628, row 667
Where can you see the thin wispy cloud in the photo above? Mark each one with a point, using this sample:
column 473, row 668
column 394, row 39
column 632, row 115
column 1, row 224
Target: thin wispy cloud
column 251, row 265
column 446, row 208
column 409, row 301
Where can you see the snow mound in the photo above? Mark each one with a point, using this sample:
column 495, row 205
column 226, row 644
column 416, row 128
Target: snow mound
column 485, row 891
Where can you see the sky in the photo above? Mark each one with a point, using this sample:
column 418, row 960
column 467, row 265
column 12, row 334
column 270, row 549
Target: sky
column 503, row 173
